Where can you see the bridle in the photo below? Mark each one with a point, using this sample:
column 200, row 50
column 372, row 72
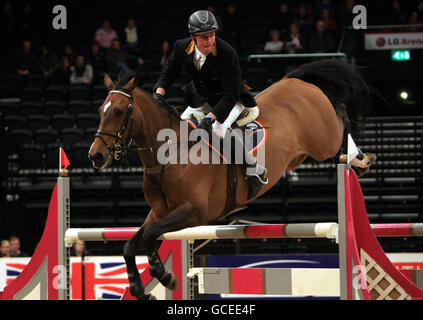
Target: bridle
column 118, row 150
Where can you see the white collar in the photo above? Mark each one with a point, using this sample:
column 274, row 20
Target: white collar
column 199, row 54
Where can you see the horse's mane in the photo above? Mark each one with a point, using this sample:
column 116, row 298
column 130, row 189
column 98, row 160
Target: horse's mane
column 124, row 79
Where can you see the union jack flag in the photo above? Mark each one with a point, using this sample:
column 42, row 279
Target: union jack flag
column 104, row 278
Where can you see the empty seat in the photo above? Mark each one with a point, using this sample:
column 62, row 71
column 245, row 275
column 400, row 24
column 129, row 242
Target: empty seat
column 46, row 135
column 51, row 152
column 14, row 122
column 95, row 104
column 80, row 155
column 31, row 107
column 78, row 107
column 148, row 86
column 17, row 137
column 99, row 92
column 31, row 94
column 54, row 107
column 55, row 93
column 87, row 120
column 7, row 108
column 38, row 121
column 62, row 121
column 79, row 93
column 31, row 156
column 71, row 135
column 258, row 79
column 12, row 85
column 152, row 76
column 35, row 80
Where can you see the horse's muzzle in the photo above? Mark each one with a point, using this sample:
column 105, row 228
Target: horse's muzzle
column 99, row 161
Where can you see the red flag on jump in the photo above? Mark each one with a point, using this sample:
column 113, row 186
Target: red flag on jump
column 64, row 162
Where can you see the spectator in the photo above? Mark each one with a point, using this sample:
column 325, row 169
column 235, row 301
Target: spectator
column 105, row 34
column 275, row 45
column 294, row 43
column 325, row 4
column 26, row 20
column 217, row 16
column 48, row 61
column 5, row 249
column 118, row 60
column 26, row 61
column 232, row 24
column 282, row 19
column 132, row 44
column 321, row 40
column 396, row 15
column 15, row 248
column 345, row 13
column 62, row 72
column 97, row 61
column 7, row 20
column 70, row 54
column 414, row 18
column 305, row 18
column 164, row 54
column 330, row 22
column 82, row 73
column 420, row 10
column 79, row 250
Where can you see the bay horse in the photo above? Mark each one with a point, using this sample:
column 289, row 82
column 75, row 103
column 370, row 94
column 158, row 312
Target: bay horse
column 307, row 113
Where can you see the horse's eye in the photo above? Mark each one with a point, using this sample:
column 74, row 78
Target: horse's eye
column 118, row 112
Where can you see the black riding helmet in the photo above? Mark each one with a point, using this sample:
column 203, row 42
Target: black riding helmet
column 202, row 21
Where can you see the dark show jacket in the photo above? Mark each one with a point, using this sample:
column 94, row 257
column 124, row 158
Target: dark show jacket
column 218, row 81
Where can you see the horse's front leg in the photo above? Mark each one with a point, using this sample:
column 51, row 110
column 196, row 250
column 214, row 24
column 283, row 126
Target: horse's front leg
column 129, row 252
column 182, row 217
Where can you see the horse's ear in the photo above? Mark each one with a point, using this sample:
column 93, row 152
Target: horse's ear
column 108, row 82
column 131, row 83
column 135, row 81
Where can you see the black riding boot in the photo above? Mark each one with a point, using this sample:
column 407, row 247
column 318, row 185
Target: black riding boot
column 256, row 174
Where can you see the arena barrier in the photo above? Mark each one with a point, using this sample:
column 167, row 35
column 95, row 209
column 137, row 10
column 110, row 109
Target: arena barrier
column 365, row 272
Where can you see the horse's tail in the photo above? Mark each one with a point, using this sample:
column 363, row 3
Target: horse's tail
column 343, row 84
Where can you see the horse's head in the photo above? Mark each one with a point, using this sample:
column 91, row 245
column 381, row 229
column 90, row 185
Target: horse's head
column 116, row 120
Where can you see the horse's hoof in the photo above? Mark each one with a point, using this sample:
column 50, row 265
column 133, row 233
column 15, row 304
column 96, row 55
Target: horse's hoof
column 173, row 283
column 148, row 296
column 169, row 281
column 151, row 297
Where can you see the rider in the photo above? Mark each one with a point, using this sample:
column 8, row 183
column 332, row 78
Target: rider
column 216, row 85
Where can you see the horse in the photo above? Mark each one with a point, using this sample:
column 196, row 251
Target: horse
column 307, row 113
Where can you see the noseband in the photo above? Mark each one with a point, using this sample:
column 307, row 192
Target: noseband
column 118, row 150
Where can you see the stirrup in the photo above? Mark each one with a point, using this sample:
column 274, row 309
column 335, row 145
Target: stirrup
column 261, row 177
column 255, row 183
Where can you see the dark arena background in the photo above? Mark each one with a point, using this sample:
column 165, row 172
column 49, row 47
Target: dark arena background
column 43, row 106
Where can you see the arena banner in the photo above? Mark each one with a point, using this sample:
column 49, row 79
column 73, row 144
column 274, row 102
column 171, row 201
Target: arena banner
column 105, row 277
column 393, row 41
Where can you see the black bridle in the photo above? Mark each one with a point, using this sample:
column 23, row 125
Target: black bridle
column 119, row 149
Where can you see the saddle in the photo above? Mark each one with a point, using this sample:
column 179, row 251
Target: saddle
column 246, row 120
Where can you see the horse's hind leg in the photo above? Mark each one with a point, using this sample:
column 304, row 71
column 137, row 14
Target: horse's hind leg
column 182, row 217
column 129, row 252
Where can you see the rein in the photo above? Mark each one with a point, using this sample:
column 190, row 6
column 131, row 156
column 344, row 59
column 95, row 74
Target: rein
column 118, row 150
